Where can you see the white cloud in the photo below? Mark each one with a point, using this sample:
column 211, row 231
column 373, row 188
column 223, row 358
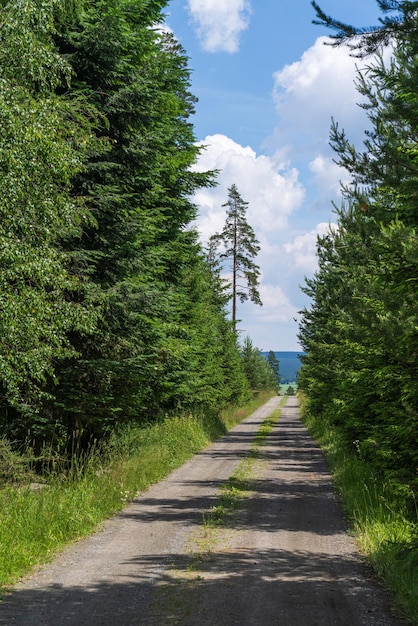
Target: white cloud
column 219, row 23
column 272, row 191
column 302, row 250
column 272, row 326
column 327, row 173
column 329, row 179
column 311, row 91
column 276, row 305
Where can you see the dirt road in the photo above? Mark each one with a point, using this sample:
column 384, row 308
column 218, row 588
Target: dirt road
column 284, row 558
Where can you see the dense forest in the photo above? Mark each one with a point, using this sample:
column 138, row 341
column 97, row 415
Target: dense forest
column 360, row 334
column 109, row 309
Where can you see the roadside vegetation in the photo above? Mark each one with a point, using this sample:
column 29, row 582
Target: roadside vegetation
column 359, row 334
column 383, row 519
column 118, row 357
column 112, row 313
column 37, row 520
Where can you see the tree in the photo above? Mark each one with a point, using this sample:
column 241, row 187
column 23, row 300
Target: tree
column 143, row 258
column 139, row 249
column 257, row 370
column 110, row 311
column 399, row 20
column 360, row 335
column 240, row 247
column 273, row 361
column 42, row 147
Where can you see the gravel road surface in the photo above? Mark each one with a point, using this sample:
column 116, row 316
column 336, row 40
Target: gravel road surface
column 284, row 558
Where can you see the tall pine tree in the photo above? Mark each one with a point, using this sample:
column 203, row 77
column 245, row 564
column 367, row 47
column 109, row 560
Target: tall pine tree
column 240, row 249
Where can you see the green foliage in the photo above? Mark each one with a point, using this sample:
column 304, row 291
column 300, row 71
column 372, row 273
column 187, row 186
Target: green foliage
column 147, row 357
column 275, row 367
column 109, row 310
column 399, row 19
column 14, row 467
column 360, row 334
column 258, row 371
column 240, row 247
column 40, row 152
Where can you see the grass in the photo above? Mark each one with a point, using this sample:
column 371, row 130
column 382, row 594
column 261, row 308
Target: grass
column 175, row 598
column 385, row 531
column 285, row 386
column 35, row 525
column 238, row 486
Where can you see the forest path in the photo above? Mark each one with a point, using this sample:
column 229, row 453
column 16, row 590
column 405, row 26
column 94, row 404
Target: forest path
column 284, row 558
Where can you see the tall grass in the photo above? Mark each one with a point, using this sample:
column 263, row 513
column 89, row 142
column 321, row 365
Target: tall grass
column 381, row 519
column 34, row 525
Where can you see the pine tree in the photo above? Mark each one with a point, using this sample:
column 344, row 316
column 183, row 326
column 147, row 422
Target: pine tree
column 240, row 247
column 399, row 20
column 360, row 371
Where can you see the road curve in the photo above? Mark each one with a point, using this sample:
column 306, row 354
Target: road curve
column 284, row 559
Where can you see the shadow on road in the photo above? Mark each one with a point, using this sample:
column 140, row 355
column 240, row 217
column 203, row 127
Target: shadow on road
column 284, row 587
column 295, row 571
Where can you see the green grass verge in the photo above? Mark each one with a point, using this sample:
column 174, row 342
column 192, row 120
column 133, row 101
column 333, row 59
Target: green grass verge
column 34, row 525
column 385, row 531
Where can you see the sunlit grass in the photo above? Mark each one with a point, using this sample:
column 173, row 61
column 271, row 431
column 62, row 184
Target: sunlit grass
column 34, row 525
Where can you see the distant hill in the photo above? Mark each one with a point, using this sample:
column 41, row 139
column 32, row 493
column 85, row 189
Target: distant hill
column 289, row 363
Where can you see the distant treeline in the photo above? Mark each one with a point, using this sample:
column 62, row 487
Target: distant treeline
column 289, row 364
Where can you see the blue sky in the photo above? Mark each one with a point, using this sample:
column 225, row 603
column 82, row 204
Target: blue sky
column 267, row 89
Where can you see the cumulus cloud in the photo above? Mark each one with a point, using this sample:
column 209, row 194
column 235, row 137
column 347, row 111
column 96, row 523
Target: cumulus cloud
column 301, row 252
column 328, row 175
column 272, row 190
column 219, row 24
column 318, row 87
column 276, row 305
column 272, row 326
column 328, row 179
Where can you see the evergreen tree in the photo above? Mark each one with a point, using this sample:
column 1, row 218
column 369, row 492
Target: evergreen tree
column 257, row 370
column 240, row 247
column 399, row 20
column 273, row 362
column 140, row 253
column 109, row 310
column 360, row 371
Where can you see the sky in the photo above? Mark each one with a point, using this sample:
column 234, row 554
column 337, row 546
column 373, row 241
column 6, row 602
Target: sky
column 268, row 88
